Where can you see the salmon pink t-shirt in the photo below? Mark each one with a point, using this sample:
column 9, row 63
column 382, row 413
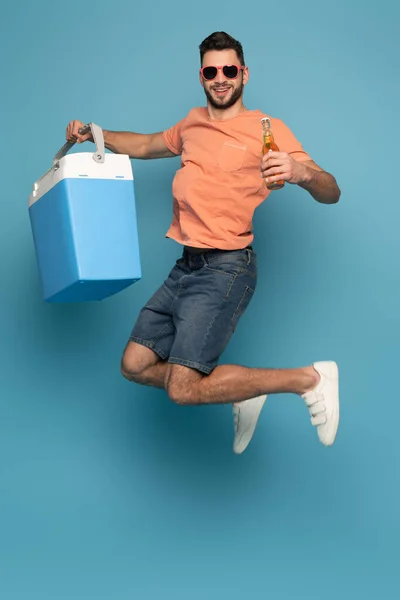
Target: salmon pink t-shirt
column 219, row 184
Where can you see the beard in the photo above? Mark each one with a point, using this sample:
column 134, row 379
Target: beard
column 224, row 104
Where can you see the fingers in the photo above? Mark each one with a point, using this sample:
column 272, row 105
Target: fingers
column 280, row 177
column 275, row 158
column 73, row 130
column 273, row 166
column 275, row 154
column 273, row 171
column 276, row 166
column 272, row 162
column 72, row 133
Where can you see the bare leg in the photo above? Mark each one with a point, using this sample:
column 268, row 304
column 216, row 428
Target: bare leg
column 225, row 384
column 231, row 383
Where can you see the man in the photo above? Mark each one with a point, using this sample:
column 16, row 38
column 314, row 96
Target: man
column 184, row 328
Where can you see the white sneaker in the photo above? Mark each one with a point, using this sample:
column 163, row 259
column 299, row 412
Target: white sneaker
column 323, row 402
column 245, row 416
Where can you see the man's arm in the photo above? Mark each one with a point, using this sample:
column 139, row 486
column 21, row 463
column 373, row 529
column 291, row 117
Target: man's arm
column 321, row 185
column 307, row 174
column 136, row 145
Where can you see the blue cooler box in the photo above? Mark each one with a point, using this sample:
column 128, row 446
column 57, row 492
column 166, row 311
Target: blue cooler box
column 84, row 225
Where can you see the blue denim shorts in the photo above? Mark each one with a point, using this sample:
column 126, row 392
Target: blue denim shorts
column 192, row 316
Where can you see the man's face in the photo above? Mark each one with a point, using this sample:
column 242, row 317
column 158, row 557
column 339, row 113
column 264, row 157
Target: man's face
column 222, row 92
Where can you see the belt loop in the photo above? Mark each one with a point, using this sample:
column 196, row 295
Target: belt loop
column 248, row 256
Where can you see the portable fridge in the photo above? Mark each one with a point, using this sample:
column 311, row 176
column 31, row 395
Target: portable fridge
column 84, row 224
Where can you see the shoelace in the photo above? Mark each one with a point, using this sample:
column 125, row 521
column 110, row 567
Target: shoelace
column 318, row 411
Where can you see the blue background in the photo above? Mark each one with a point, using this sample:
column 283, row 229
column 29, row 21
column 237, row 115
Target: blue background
column 108, row 490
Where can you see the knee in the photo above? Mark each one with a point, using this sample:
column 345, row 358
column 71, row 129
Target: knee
column 131, row 370
column 135, row 361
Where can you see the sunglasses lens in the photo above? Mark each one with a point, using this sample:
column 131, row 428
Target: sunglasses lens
column 230, row 71
column 209, row 73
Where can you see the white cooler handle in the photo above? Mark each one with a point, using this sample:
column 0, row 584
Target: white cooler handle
column 98, row 138
column 98, row 156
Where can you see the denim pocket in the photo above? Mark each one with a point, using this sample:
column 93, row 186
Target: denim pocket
column 234, row 265
column 223, row 270
column 243, row 304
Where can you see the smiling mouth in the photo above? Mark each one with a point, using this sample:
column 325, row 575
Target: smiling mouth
column 221, row 91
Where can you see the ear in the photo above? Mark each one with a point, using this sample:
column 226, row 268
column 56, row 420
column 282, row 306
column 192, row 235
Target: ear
column 201, row 80
column 246, row 75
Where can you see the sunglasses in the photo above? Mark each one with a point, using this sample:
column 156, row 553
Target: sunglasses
column 230, row 71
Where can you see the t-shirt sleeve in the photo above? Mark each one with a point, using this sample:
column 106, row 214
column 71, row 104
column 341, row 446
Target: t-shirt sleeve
column 287, row 142
column 173, row 137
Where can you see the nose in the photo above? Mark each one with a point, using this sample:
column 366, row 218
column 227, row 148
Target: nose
column 220, row 76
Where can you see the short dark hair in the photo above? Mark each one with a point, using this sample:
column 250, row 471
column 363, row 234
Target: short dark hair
column 219, row 40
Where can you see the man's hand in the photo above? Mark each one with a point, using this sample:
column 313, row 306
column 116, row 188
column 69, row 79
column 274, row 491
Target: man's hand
column 276, row 166
column 72, row 133
column 322, row 186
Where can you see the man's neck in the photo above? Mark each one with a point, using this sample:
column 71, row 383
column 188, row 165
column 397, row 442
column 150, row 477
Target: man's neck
column 222, row 114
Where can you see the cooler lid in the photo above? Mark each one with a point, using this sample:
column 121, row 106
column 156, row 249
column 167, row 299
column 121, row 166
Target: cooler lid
column 82, row 165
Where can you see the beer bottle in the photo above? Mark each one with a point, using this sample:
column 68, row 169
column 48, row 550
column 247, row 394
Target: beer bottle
column 270, row 144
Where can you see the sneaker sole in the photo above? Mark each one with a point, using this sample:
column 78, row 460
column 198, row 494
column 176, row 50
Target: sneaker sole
column 240, row 446
column 331, row 371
